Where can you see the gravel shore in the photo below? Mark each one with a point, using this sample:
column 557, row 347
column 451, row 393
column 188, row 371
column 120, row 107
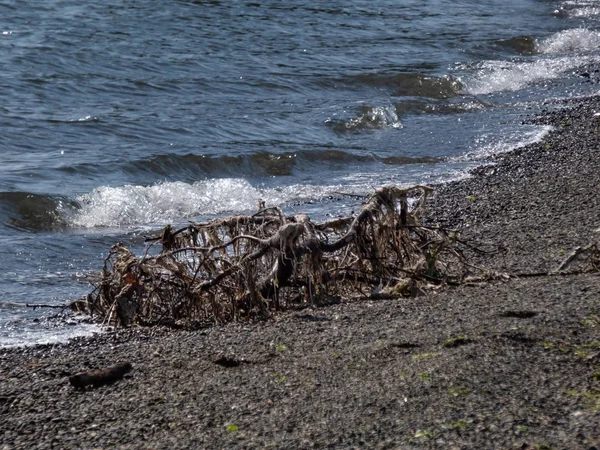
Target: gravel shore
column 505, row 364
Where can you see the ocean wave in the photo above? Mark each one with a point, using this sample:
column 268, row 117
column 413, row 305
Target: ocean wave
column 557, row 54
column 33, row 212
column 523, row 45
column 587, row 12
column 176, row 201
column 578, row 10
column 79, row 120
column 570, row 41
column 173, row 202
column 410, row 84
column 25, row 332
column 254, row 165
column 441, row 108
column 495, row 76
column 166, row 202
column 575, row 40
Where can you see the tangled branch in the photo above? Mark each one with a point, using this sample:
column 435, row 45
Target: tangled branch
column 245, row 265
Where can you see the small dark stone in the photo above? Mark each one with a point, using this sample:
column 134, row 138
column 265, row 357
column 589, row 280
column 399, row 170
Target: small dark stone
column 519, row 314
column 226, row 361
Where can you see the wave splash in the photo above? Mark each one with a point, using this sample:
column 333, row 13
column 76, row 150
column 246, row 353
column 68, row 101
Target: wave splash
column 176, row 201
column 561, row 52
column 577, row 40
column 580, row 9
column 369, row 118
column 498, row 76
column 164, row 202
column 171, row 201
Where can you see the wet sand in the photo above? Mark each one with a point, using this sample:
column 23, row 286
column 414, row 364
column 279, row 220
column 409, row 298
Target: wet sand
column 502, row 364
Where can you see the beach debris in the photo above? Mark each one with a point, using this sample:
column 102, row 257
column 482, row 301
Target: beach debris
column 593, row 257
column 518, row 314
column 41, row 305
column 454, row 342
column 226, row 360
column 244, row 266
column 100, row 377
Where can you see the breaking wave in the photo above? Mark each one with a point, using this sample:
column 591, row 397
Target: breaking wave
column 578, row 10
column 560, row 53
column 576, row 40
column 176, row 201
column 497, row 76
column 570, row 41
column 33, row 212
column 167, row 202
column 255, row 165
column 164, row 203
column 588, row 12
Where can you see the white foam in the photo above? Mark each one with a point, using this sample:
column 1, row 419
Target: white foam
column 486, row 146
column 587, row 12
column 19, row 337
column 170, row 202
column 498, row 76
column 560, row 53
column 570, row 41
column 164, row 202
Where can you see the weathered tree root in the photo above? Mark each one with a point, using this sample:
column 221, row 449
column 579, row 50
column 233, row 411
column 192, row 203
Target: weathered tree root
column 239, row 266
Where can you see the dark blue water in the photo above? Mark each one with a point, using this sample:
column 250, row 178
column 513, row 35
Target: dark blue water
column 123, row 115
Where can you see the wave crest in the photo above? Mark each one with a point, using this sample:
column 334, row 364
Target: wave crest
column 33, row 212
column 498, row 76
column 411, row 84
column 570, row 41
column 523, row 45
column 162, row 203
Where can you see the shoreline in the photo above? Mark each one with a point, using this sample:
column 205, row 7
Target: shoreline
column 505, row 364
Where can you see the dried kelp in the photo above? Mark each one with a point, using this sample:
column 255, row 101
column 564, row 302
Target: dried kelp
column 248, row 265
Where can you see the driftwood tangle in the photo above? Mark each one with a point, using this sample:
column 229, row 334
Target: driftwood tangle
column 249, row 265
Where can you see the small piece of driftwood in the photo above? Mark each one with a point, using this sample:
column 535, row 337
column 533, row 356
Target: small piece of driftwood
column 101, row 376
